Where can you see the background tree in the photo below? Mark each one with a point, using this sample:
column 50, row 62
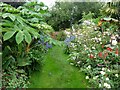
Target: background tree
column 65, row 13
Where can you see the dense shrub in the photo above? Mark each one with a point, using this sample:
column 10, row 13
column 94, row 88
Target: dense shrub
column 21, row 30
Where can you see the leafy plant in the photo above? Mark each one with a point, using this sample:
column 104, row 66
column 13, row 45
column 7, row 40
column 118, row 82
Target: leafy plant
column 20, row 34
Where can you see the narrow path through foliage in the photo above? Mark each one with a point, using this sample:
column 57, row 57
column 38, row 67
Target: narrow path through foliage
column 56, row 72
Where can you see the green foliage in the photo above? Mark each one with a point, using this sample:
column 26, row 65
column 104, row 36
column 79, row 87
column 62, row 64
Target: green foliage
column 21, row 28
column 16, row 28
column 88, row 16
column 8, row 35
column 65, row 13
column 15, row 78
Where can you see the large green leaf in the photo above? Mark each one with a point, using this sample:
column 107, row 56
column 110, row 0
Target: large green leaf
column 28, row 38
column 33, row 32
column 7, row 23
column 12, row 17
column 6, row 15
column 8, row 35
column 20, row 20
column 19, row 37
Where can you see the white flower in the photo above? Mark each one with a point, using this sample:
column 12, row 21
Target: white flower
column 108, row 70
column 116, row 75
column 89, row 67
column 100, row 42
column 100, row 85
column 114, row 42
column 44, row 8
column 99, row 39
column 102, row 72
column 93, row 47
column 66, row 32
column 87, row 77
column 107, row 85
column 87, row 22
column 78, row 62
column 94, row 78
column 97, row 76
column 103, row 69
column 73, row 58
column 85, row 46
column 99, row 35
column 107, row 78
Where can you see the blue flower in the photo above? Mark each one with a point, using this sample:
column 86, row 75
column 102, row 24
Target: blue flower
column 48, row 45
column 69, row 39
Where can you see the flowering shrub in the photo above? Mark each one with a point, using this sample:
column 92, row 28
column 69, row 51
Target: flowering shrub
column 93, row 52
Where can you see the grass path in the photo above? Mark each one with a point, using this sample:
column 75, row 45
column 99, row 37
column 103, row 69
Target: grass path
column 57, row 72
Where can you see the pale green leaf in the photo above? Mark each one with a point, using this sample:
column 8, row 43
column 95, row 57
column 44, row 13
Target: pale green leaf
column 19, row 37
column 6, row 15
column 8, row 35
column 28, row 38
column 12, row 17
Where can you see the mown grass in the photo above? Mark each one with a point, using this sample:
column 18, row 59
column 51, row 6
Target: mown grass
column 56, row 72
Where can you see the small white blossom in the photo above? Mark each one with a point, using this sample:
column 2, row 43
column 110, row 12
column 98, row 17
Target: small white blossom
column 102, row 72
column 94, row 78
column 99, row 39
column 107, row 85
column 87, row 77
column 107, row 78
column 78, row 62
column 100, row 85
column 85, row 46
column 73, row 58
column 103, row 69
column 97, row 76
column 100, row 42
column 108, row 70
column 93, row 47
column 114, row 42
column 44, row 8
column 116, row 75
column 89, row 67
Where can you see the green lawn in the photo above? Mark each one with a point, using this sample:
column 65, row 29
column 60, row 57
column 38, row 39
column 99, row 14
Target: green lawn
column 56, row 72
